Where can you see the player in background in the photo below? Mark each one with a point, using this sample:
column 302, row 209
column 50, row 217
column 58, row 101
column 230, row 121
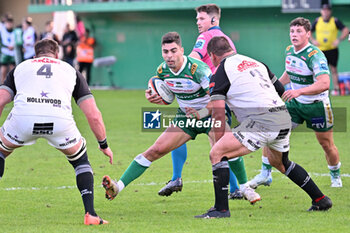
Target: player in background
column 41, row 89
column 326, row 30
column 245, row 86
column 7, row 45
column 193, row 91
column 307, row 70
column 208, row 20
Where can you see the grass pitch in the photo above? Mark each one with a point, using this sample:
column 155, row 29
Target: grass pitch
column 38, row 193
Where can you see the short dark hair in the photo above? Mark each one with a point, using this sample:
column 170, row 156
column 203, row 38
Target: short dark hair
column 300, row 21
column 48, row 22
column 219, row 45
column 210, row 9
column 45, row 47
column 171, row 37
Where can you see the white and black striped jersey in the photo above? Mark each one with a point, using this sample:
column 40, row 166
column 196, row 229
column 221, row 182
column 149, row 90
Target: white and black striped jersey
column 44, row 86
column 245, row 85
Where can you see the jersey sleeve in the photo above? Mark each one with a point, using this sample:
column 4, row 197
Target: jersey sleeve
column 201, row 46
column 219, row 84
column 318, row 63
column 81, row 90
column 339, row 24
column 204, row 75
column 313, row 25
column 9, row 83
column 159, row 72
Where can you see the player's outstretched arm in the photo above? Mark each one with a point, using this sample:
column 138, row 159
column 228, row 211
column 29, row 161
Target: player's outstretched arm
column 5, row 98
column 284, row 79
column 94, row 117
column 154, row 99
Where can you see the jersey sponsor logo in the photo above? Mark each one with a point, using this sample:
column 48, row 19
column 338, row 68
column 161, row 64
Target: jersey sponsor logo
column 160, row 70
column 297, row 79
column 179, row 84
column 288, row 59
column 288, row 47
column 54, row 102
column 187, row 76
column 15, row 138
column 45, row 100
column 45, row 60
column 193, row 68
column 312, row 53
column 318, row 122
column 309, row 50
column 254, row 145
column 43, row 128
column 246, row 65
column 68, row 141
column 211, row 87
column 199, row 44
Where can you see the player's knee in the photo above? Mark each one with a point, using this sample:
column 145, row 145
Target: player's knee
column 215, row 156
column 156, row 151
column 327, row 145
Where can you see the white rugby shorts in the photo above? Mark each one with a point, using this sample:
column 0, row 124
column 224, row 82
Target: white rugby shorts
column 255, row 135
column 25, row 130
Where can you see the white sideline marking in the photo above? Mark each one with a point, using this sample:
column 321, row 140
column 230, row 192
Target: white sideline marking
column 313, row 174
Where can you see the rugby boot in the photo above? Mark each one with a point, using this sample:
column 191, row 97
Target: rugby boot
column 260, row 180
column 111, row 187
column 322, row 205
column 250, row 194
column 336, row 182
column 236, row 195
column 213, row 213
column 93, row 220
column 171, row 186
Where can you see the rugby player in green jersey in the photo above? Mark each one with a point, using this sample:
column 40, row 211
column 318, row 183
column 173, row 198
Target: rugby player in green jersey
column 188, row 79
column 208, row 21
column 308, row 73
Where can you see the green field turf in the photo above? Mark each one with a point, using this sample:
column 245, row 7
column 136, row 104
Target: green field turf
column 38, row 194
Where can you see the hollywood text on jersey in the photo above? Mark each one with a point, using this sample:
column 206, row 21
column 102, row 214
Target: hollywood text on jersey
column 54, row 102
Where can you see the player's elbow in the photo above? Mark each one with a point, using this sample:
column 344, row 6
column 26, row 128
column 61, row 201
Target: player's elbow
column 94, row 117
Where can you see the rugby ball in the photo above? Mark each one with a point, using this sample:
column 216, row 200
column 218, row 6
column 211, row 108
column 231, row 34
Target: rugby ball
column 159, row 87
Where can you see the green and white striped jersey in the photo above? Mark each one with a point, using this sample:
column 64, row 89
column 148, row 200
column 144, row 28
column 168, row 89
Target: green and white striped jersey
column 303, row 67
column 190, row 84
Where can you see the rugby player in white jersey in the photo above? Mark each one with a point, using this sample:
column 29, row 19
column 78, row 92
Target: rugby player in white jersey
column 41, row 89
column 244, row 84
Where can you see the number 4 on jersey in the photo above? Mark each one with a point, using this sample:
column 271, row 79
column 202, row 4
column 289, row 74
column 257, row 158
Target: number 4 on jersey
column 45, row 70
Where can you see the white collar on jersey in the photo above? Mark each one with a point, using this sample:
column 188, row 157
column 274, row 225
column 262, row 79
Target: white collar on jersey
column 308, row 44
column 182, row 67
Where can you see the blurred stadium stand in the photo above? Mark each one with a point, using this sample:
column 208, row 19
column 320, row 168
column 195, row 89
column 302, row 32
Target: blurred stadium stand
column 131, row 30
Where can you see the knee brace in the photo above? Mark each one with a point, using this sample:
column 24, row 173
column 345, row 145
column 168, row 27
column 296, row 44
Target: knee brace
column 79, row 153
column 288, row 165
column 81, row 165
